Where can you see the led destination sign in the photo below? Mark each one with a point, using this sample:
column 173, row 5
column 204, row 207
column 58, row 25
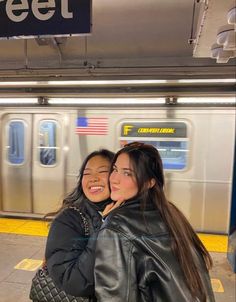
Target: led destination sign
column 154, row 129
column 31, row 18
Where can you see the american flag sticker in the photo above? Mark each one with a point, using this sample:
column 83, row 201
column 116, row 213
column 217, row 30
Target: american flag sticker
column 91, row 126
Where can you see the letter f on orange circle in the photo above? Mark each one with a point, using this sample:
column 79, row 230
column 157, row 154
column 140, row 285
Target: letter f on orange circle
column 127, row 129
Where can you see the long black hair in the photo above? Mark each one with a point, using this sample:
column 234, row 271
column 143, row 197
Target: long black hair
column 147, row 165
column 77, row 194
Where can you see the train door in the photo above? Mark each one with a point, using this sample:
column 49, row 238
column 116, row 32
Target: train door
column 32, row 163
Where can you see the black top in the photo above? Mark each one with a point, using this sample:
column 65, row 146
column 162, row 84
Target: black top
column 70, row 253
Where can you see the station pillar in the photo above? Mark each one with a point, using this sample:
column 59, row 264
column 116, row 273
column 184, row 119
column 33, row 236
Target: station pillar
column 231, row 253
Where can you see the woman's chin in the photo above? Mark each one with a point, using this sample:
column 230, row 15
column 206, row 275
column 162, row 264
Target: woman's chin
column 115, row 197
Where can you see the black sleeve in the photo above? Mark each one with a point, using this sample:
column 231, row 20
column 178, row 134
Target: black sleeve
column 70, row 255
column 114, row 267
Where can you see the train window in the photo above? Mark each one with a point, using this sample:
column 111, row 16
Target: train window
column 173, row 154
column 170, row 138
column 16, row 141
column 47, row 143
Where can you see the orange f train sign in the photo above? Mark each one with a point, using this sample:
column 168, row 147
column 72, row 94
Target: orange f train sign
column 154, row 129
column 30, row 18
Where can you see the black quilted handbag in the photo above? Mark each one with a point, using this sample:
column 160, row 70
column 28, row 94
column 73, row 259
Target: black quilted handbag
column 43, row 288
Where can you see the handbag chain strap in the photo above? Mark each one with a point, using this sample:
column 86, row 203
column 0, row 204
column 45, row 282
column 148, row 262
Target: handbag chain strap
column 84, row 220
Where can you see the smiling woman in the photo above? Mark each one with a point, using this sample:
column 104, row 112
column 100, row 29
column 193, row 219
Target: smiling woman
column 69, row 249
column 95, row 177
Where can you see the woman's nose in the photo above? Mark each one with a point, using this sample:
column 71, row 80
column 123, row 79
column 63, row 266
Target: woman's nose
column 94, row 178
column 114, row 177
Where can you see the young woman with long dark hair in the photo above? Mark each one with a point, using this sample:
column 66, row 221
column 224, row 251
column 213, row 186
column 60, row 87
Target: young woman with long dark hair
column 72, row 236
column 146, row 249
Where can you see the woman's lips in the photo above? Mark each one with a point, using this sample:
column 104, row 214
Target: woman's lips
column 114, row 189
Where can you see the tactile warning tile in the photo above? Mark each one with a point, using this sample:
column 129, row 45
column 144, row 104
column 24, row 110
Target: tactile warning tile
column 214, row 243
column 23, row 227
column 29, row 264
column 217, row 286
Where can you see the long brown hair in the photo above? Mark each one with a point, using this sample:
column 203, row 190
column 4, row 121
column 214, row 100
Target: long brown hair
column 147, row 165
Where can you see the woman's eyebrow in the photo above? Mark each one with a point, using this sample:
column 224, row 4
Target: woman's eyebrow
column 127, row 169
column 101, row 167
column 87, row 169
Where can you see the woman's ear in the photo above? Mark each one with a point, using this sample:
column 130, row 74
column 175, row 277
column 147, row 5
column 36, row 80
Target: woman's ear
column 151, row 183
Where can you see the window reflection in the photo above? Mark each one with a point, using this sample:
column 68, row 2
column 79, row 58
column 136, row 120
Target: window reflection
column 47, row 143
column 16, row 141
column 173, row 153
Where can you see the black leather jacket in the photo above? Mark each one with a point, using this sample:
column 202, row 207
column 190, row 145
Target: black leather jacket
column 134, row 261
column 70, row 254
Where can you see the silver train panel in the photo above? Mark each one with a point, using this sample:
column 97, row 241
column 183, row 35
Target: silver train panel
column 28, row 186
column 16, row 178
column 48, row 180
column 201, row 187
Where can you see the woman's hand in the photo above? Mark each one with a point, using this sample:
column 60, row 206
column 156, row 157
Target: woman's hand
column 111, row 206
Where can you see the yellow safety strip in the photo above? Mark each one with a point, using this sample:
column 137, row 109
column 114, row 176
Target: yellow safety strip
column 24, row 227
column 213, row 243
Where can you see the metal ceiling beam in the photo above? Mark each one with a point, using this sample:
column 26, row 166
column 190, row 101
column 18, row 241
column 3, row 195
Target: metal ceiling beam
column 159, row 72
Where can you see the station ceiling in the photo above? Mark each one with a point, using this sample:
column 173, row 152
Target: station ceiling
column 137, row 38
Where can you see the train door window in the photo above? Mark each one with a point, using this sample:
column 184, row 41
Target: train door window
column 170, row 138
column 16, row 142
column 48, row 142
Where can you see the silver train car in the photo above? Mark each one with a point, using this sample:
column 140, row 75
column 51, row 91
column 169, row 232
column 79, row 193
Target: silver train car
column 43, row 148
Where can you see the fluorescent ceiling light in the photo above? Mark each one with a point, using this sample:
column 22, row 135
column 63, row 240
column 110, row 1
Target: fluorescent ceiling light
column 119, row 101
column 106, row 101
column 81, row 83
column 207, row 81
column 24, row 83
column 207, row 100
column 110, row 82
column 16, row 101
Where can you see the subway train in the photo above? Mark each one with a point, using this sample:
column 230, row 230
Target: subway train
column 42, row 149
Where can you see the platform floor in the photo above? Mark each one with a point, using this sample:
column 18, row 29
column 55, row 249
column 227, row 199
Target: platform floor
column 22, row 249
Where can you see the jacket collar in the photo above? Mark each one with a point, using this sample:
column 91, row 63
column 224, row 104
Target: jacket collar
column 134, row 203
